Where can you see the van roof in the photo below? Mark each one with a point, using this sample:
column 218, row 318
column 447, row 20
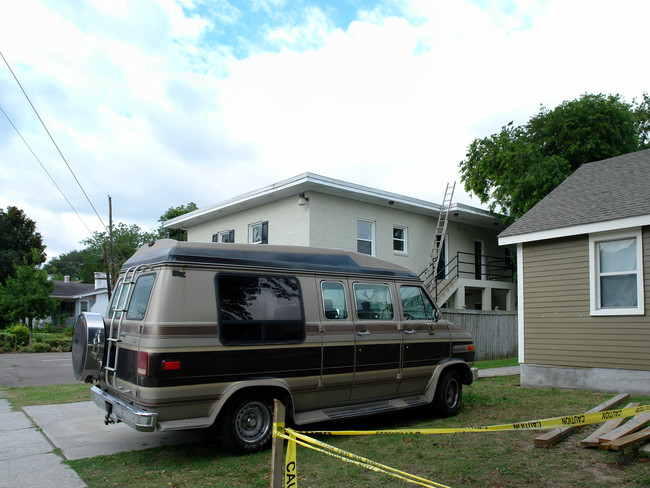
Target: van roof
column 295, row 258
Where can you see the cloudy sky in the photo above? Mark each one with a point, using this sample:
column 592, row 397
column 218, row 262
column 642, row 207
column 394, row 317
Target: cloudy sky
column 159, row 103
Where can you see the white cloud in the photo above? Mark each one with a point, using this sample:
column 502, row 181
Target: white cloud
column 151, row 105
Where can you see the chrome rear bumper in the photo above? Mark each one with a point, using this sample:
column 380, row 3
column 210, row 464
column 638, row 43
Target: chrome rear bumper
column 120, row 411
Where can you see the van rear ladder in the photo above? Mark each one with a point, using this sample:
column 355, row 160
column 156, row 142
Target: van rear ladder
column 114, row 336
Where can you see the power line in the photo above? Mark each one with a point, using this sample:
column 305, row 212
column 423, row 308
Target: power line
column 44, row 169
column 53, row 142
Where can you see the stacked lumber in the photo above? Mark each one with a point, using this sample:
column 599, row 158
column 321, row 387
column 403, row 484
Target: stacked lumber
column 614, row 435
column 627, row 434
column 554, row 436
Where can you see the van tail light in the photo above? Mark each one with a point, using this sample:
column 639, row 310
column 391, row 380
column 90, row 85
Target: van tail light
column 143, row 363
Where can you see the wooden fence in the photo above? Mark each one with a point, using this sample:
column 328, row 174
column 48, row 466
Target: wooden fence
column 495, row 332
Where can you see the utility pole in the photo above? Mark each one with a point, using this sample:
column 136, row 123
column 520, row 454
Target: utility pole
column 110, row 234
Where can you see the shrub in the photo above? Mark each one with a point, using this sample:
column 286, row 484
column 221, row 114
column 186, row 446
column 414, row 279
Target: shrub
column 49, row 328
column 58, row 343
column 7, row 341
column 21, row 332
column 39, row 347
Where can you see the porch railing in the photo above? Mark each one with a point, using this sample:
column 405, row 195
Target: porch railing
column 469, row 265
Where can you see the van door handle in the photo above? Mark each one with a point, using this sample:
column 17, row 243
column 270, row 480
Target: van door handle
column 409, row 331
column 363, row 332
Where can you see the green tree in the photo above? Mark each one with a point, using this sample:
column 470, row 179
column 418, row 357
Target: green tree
column 178, row 234
column 18, row 237
column 642, row 120
column 26, row 297
column 126, row 240
column 517, row 167
column 78, row 265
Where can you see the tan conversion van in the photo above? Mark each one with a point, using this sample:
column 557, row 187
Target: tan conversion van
column 198, row 334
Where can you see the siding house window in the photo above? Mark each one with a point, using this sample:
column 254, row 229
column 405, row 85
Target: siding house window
column 399, row 239
column 366, row 237
column 616, row 274
column 258, row 233
column 224, row 236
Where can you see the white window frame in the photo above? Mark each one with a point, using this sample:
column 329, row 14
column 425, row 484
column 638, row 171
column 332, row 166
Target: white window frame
column 372, row 235
column 222, row 234
column 404, row 240
column 251, row 231
column 594, row 273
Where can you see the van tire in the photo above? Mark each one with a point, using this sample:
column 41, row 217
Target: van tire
column 449, row 394
column 247, row 424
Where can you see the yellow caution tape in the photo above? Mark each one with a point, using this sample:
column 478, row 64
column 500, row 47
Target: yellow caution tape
column 291, row 464
column 297, row 438
column 294, row 437
column 550, row 423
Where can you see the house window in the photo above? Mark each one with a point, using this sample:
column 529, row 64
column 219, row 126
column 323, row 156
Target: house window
column 258, row 233
column 399, row 239
column 224, row 236
column 366, row 237
column 616, row 274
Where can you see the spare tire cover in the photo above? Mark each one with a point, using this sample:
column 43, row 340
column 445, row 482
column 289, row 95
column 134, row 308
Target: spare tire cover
column 88, row 346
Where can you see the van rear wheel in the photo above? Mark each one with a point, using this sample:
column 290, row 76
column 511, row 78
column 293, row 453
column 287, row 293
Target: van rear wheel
column 449, row 394
column 247, row 424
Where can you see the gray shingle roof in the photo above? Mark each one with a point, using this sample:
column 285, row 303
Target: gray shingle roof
column 604, row 190
column 70, row 289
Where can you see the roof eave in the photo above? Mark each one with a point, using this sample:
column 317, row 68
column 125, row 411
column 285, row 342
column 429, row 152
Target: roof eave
column 589, row 228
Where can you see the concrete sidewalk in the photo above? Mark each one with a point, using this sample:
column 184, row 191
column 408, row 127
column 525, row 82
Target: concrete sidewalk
column 26, row 456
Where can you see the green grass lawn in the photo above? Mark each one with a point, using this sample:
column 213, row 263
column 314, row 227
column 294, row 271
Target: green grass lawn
column 497, row 363
column 486, row 459
column 47, row 395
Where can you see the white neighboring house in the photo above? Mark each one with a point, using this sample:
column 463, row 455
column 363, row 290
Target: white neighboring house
column 313, row 210
column 77, row 297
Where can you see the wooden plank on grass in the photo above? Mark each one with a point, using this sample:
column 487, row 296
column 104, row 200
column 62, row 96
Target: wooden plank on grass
column 592, row 440
column 554, row 436
column 628, row 440
column 632, row 425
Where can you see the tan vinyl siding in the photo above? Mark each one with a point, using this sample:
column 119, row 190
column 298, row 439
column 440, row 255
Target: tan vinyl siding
column 558, row 327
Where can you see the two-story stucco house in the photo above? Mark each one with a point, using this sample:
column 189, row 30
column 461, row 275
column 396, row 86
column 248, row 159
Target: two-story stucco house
column 313, row 210
column 583, row 270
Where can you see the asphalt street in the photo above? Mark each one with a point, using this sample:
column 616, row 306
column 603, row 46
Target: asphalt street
column 36, row 369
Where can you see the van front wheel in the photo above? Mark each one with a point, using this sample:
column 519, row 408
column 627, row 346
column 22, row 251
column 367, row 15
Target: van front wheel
column 449, row 394
column 247, row 424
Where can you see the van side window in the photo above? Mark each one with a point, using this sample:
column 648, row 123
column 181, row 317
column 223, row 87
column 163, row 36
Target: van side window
column 416, row 305
column 259, row 309
column 118, row 300
column 140, row 297
column 334, row 300
column 373, row 301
